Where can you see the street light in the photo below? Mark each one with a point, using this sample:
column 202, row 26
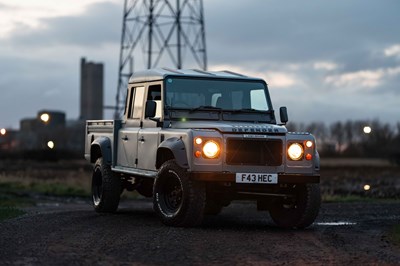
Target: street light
column 45, row 117
column 367, row 129
column 51, row 144
column 3, row 131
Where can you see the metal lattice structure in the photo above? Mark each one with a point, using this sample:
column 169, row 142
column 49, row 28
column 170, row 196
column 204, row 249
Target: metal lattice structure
column 160, row 33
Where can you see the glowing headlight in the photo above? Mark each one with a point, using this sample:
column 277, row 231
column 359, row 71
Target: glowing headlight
column 295, row 151
column 211, row 149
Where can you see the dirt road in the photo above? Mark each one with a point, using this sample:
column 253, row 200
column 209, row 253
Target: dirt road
column 73, row 234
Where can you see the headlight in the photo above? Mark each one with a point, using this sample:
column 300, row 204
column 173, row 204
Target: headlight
column 211, row 149
column 295, row 151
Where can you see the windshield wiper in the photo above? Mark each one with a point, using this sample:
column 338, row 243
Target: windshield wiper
column 205, row 108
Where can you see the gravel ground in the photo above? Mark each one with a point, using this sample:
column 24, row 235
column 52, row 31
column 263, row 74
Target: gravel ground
column 60, row 233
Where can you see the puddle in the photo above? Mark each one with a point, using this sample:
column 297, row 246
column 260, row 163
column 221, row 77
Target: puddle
column 336, row 223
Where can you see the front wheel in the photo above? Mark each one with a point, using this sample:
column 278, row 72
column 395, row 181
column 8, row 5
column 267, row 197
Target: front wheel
column 178, row 200
column 106, row 188
column 301, row 211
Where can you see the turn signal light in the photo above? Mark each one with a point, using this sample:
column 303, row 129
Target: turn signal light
column 308, row 157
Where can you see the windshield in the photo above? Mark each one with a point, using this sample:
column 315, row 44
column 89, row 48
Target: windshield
column 216, row 94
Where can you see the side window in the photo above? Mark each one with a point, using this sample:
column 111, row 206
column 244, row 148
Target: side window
column 154, row 94
column 129, row 101
column 137, row 100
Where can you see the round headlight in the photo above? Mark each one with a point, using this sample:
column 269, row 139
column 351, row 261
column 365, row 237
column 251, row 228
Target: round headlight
column 211, row 149
column 295, row 151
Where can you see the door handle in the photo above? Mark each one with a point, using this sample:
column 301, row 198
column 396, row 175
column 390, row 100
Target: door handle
column 125, row 138
column 141, row 139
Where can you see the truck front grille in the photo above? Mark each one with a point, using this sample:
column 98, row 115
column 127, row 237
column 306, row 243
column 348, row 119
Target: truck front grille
column 254, row 152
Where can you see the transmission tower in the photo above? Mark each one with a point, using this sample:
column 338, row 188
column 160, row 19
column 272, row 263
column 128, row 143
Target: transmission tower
column 160, row 32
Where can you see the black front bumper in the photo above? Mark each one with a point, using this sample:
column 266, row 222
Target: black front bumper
column 230, row 177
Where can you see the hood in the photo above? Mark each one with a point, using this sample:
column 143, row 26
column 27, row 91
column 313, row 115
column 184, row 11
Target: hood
column 229, row 127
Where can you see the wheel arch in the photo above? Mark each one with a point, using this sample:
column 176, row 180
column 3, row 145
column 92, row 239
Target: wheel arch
column 101, row 147
column 172, row 148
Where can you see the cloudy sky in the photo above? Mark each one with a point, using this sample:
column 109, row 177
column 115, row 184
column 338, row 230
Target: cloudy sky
column 324, row 60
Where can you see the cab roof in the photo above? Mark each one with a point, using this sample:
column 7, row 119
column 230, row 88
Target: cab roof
column 160, row 73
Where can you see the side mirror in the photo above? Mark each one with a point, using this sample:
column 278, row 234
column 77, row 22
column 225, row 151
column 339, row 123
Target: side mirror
column 150, row 110
column 283, row 114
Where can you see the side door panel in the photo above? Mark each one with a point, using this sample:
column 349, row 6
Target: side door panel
column 127, row 146
column 148, row 142
column 128, row 134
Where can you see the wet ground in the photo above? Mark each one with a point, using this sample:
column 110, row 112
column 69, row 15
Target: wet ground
column 71, row 233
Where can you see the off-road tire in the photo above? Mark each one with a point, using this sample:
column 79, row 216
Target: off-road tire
column 106, row 188
column 178, row 200
column 302, row 212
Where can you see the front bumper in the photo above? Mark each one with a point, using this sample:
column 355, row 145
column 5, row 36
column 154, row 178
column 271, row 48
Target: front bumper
column 230, row 177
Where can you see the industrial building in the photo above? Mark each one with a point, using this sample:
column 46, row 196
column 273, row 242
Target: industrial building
column 91, row 106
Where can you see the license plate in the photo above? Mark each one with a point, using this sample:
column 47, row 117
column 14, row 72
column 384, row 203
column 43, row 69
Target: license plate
column 256, row 178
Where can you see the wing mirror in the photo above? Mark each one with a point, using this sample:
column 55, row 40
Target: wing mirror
column 150, row 111
column 283, row 114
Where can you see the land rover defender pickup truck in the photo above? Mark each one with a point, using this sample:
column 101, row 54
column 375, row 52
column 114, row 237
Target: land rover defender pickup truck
column 194, row 141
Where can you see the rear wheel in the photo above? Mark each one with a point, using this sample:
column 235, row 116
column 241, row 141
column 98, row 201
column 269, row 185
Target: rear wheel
column 301, row 211
column 177, row 200
column 106, row 188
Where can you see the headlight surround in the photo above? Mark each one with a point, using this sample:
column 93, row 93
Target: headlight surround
column 295, row 151
column 211, row 149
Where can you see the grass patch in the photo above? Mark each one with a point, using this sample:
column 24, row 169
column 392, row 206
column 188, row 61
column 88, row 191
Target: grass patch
column 25, row 187
column 394, row 235
column 10, row 212
column 16, row 193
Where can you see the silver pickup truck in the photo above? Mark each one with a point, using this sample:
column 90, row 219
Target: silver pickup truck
column 196, row 140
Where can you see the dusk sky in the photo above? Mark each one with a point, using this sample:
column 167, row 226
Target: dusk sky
column 325, row 60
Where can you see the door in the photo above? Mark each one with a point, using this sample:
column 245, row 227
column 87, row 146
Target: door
column 128, row 134
column 149, row 135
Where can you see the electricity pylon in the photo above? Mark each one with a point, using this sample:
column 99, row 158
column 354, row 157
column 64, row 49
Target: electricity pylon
column 158, row 32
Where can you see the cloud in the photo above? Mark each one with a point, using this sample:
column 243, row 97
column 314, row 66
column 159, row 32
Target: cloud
column 393, row 50
column 99, row 25
column 325, row 66
column 273, row 78
column 362, row 78
column 295, row 32
column 31, row 14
